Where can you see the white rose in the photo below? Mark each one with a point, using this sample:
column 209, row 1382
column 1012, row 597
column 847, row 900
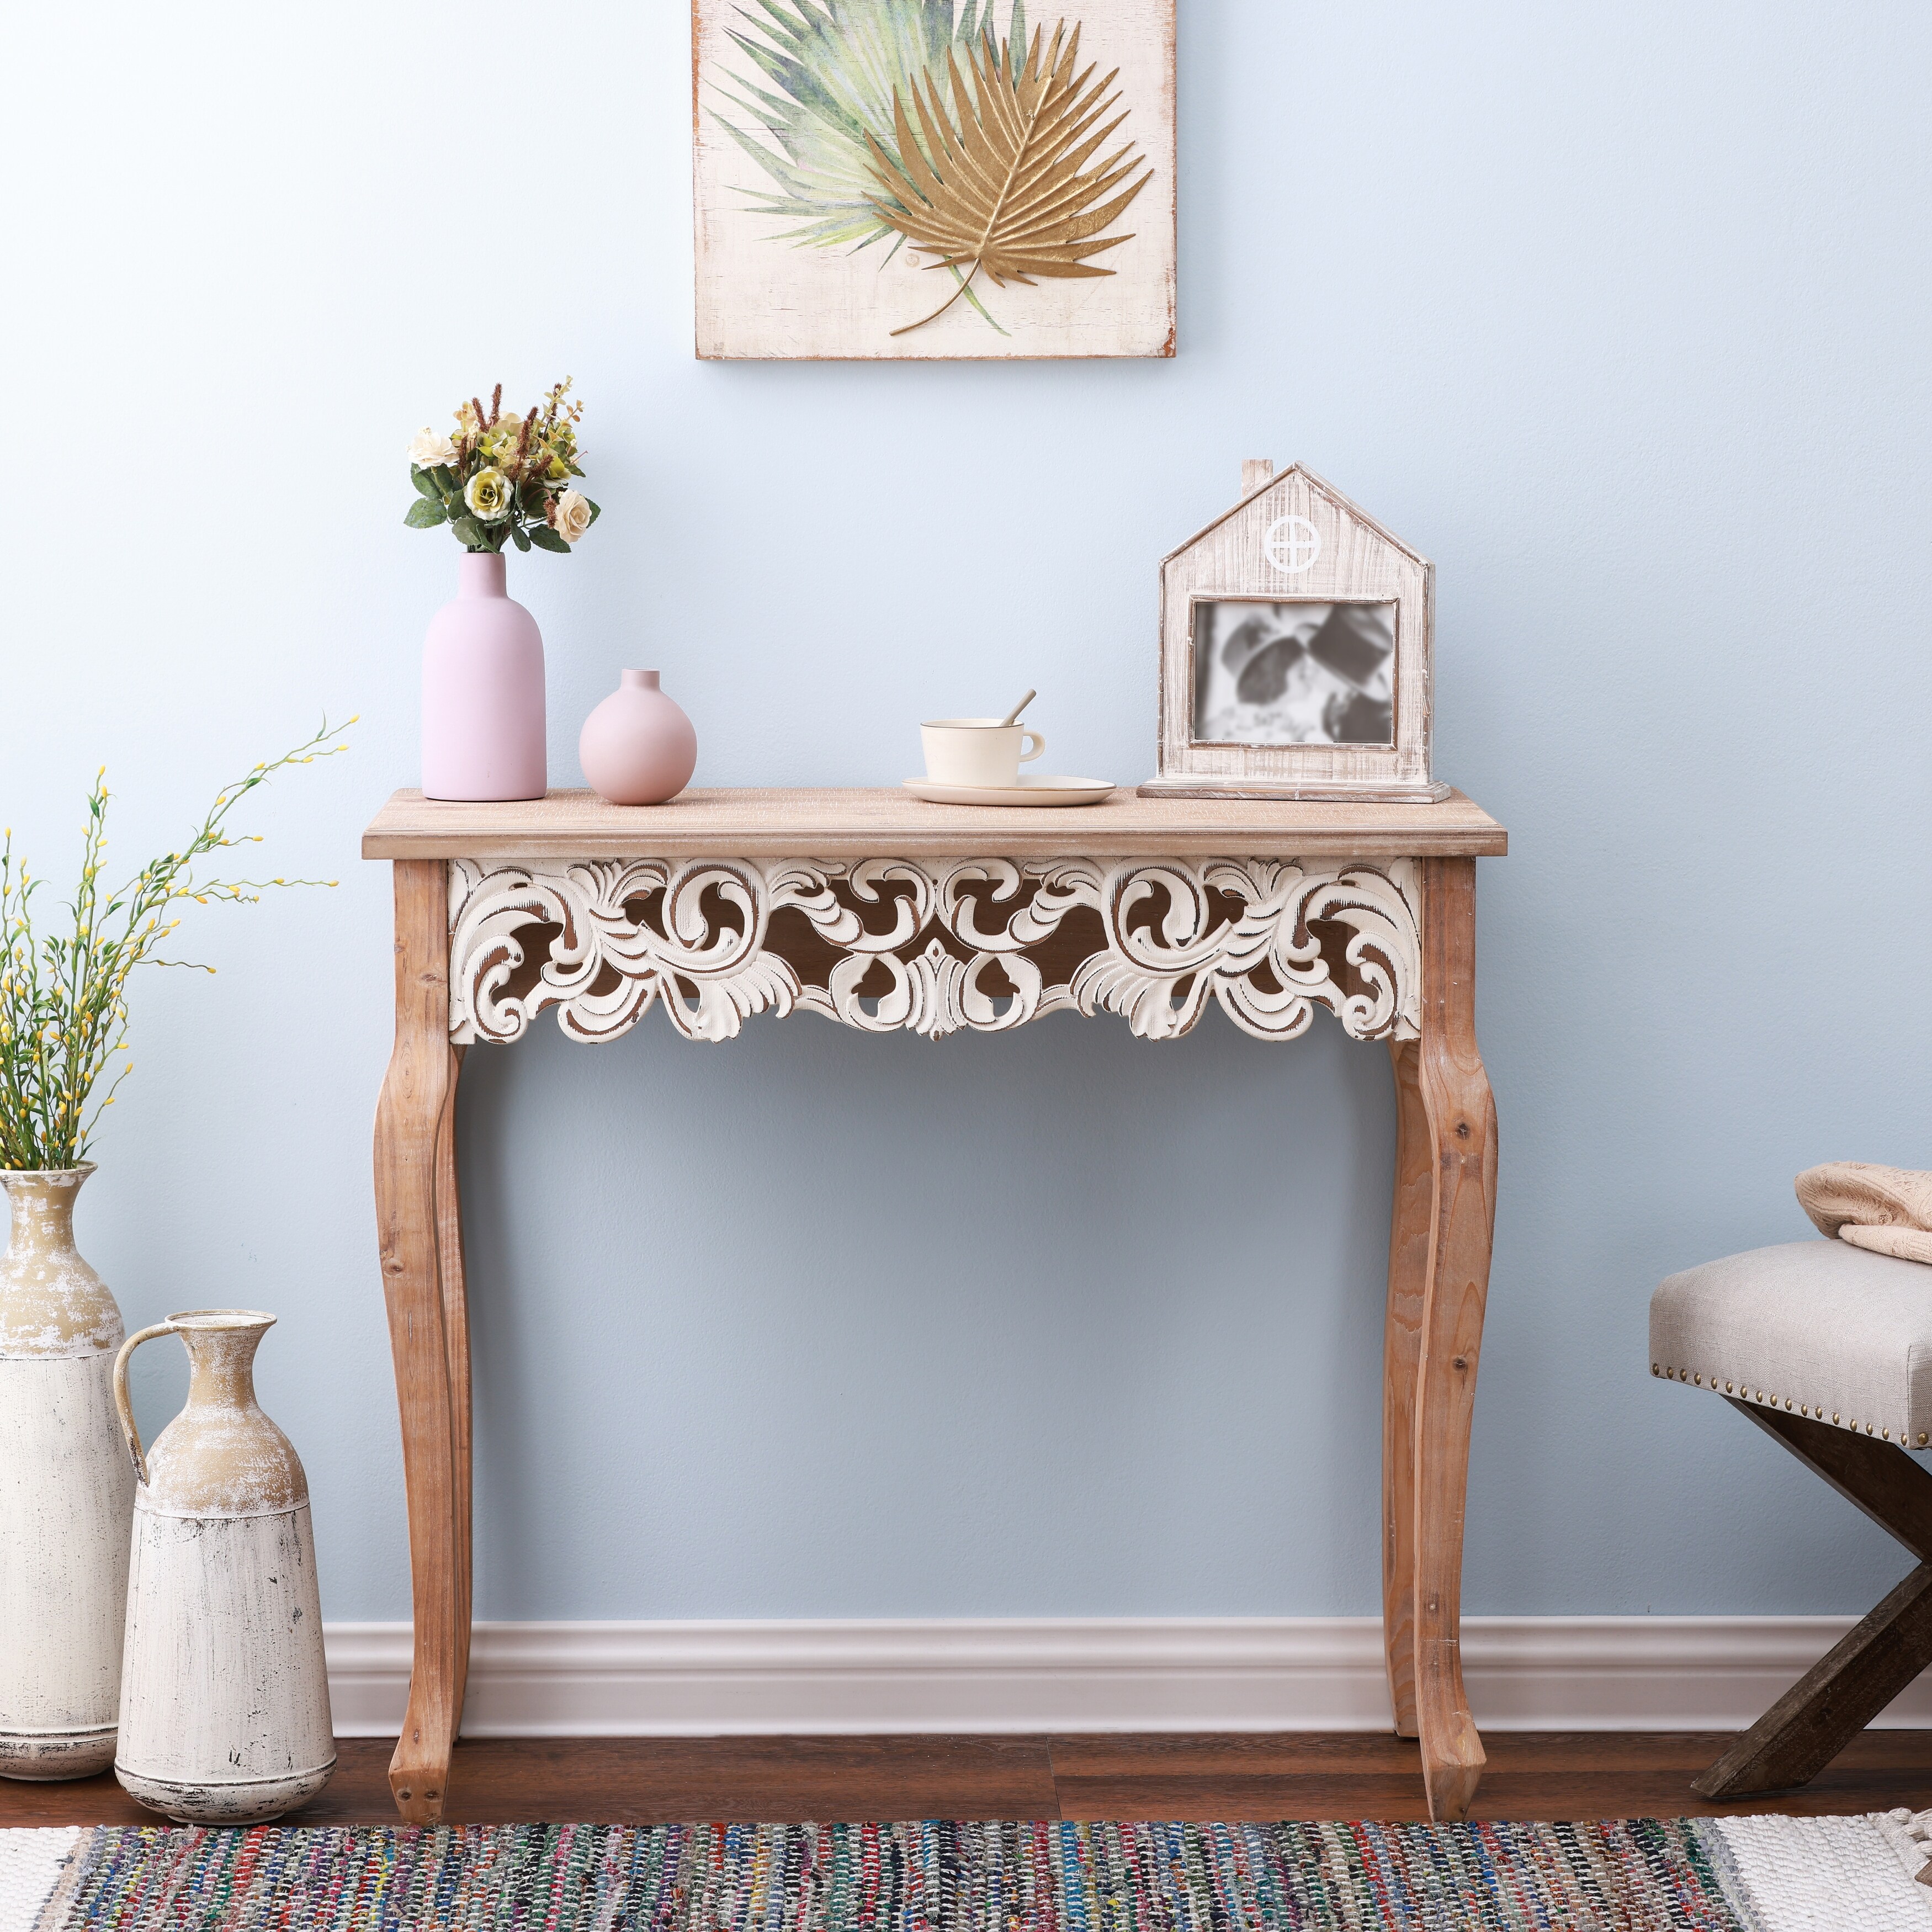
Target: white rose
column 430, row 448
column 573, row 515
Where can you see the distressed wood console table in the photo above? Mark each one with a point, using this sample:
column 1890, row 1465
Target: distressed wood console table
column 872, row 908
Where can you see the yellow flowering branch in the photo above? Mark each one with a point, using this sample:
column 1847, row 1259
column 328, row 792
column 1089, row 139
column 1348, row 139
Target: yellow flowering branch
column 63, row 997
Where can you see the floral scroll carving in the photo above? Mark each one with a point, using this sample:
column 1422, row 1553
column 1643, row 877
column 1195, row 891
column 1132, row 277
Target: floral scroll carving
column 933, row 947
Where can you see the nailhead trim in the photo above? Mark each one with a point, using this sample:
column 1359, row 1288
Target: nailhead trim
column 1670, row 1372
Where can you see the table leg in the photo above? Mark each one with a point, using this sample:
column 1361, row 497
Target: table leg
column 1461, row 1140
column 1409, row 1223
column 414, row 1139
column 456, row 1351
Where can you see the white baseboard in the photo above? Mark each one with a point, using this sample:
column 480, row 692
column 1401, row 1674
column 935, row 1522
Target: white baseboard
column 1073, row 1674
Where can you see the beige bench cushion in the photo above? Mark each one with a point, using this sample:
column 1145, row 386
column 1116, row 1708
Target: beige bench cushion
column 1820, row 1328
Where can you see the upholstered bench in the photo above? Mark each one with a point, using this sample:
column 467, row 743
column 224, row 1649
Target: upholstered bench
column 1828, row 1347
column 1814, row 1328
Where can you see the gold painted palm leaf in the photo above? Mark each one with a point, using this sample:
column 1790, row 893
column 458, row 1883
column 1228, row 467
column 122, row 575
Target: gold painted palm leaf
column 1002, row 189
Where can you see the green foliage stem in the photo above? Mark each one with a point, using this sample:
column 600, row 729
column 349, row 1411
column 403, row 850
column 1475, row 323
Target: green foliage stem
column 64, row 996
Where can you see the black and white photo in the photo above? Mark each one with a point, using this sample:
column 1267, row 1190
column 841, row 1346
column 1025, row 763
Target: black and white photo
column 1295, row 639
column 1294, row 673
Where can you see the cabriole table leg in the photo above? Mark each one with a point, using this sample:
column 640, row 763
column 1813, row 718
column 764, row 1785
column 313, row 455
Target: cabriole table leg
column 1409, row 1222
column 456, row 1350
column 414, row 1139
column 1462, row 1140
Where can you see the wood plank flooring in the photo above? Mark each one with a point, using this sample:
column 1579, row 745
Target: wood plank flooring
column 1327, row 1775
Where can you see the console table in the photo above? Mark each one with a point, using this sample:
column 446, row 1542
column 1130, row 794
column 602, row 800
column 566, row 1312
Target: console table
column 874, row 909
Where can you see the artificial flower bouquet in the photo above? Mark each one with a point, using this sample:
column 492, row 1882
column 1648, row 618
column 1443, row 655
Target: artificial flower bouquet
column 503, row 476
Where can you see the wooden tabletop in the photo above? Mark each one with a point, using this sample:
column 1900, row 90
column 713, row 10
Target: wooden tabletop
column 758, row 823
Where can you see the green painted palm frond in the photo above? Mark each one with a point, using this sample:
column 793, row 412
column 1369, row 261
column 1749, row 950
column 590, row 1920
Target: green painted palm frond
column 822, row 76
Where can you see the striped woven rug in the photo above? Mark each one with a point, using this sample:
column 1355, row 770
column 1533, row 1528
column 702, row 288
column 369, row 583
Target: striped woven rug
column 1732, row 1875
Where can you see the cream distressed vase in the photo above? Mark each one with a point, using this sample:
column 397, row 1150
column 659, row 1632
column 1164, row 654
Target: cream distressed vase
column 66, row 1492
column 224, row 1695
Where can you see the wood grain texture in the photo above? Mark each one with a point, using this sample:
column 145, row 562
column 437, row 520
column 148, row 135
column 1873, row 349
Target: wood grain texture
column 1531, row 1775
column 456, row 1352
column 1861, row 1673
column 410, row 1124
column 762, row 296
column 829, row 823
column 1359, row 560
column 1306, row 1775
column 1880, row 1478
column 1462, row 1128
column 1410, row 1221
column 1834, row 1699
column 578, row 879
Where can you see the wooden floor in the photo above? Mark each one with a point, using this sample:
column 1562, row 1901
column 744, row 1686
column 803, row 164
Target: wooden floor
column 651, row 1781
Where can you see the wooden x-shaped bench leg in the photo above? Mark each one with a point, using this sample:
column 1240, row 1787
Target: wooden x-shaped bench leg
column 1859, row 1675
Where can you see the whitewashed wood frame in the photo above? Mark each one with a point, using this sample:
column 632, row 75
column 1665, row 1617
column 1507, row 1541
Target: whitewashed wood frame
column 762, row 296
column 1260, row 552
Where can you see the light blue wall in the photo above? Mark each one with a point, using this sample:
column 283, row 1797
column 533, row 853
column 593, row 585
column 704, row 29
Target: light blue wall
column 1619, row 313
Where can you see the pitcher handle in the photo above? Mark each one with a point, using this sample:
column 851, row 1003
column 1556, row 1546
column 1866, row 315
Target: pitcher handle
column 121, row 1402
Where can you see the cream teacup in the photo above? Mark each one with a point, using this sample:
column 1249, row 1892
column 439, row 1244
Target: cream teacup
column 977, row 750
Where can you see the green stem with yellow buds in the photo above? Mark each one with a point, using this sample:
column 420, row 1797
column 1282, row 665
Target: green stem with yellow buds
column 64, row 997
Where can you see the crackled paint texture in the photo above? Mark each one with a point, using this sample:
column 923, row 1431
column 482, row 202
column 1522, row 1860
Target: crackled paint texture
column 224, row 1699
column 53, row 1304
column 67, row 1491
column 221, row 1456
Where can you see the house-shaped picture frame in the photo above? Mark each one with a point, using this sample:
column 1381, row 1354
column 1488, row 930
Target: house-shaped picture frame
column 1297, row 636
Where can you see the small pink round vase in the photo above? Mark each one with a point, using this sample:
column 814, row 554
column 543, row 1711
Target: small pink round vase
column 638, row 747
column 483, row 692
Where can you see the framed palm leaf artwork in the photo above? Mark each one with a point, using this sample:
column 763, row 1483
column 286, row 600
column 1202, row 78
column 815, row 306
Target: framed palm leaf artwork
column 934, row 179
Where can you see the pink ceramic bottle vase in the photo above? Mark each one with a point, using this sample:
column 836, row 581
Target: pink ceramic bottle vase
column 483, row 692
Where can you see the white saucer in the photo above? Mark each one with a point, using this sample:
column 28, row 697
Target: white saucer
column 1031, row 790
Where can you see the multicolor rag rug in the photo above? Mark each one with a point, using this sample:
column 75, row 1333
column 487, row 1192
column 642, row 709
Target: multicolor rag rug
column 1729, row 1875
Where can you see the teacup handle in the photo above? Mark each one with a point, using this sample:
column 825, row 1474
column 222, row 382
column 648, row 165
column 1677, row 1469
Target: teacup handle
column 1038, row 743
column 121, row 1402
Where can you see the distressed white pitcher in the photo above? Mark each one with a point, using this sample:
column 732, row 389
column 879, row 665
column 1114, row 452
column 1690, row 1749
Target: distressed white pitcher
column 66, row 1492
column 224, row 1695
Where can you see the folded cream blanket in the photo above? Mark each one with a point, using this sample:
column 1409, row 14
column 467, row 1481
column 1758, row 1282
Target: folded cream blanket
column 1886, row 1209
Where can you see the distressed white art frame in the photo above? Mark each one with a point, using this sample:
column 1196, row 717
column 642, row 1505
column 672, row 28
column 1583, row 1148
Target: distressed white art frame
column 761, row 295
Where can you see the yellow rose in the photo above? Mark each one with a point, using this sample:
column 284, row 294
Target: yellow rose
column 488, row 495
column 572, row 515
